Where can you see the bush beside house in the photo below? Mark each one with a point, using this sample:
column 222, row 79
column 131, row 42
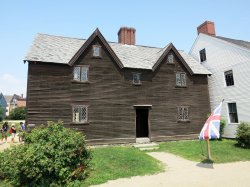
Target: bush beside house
column 243, row 135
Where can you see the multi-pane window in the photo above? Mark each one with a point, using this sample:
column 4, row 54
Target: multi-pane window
column 181, row 79
column 80, row 114
column 233, row 116
column 81, row 73
column 183, row 113
column 229, row 78
column 203, row 55
column 96, row 51
column 170, row 59
column 136, row 78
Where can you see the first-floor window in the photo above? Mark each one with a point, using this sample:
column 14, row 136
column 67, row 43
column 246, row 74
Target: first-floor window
column 183, row 113
column 81, row 73
column 80, row 113
column 233, row 116
column 181, row 79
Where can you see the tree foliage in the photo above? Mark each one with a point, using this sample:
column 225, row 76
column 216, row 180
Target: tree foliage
column 50, row 156
column 1, row 113
column 243, row 135
column 18, row 113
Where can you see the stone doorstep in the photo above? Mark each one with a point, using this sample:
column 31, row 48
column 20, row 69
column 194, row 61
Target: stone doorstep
column 152, row 144
column 148, row 148
column 142, row 140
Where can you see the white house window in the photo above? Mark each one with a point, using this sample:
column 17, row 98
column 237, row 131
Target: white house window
column 80, row 114
column 181, row 79
column 96, row 51
column 183, row 113
column 203, row 55
column 170, row 59
column 81, row 73
column 229, row 78
column 233, row 116
column 136, row 78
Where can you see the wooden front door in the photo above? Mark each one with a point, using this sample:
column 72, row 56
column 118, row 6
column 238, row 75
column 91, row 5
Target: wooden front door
column 141, row 123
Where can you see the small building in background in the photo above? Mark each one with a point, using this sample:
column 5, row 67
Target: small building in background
column 8, row 99
column 3, row 105
column 17, row 101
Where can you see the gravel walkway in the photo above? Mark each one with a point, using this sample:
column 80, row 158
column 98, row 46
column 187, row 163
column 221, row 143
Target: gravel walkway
column 180, row 172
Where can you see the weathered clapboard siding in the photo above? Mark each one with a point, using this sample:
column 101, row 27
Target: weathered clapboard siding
column 223, row 56
column 111, row 95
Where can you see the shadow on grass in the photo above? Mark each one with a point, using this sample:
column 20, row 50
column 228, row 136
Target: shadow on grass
column 206, row 163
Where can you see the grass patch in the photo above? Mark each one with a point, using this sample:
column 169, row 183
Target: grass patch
column 221, row 151
column 111, row 163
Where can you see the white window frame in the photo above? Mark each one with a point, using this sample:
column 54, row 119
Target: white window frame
column 78, row 77
column 94, row 54
column 76, row 118
column 134, row 75
column 181, row 116
column 225, row 78
column 228, row 113
column 183, row 79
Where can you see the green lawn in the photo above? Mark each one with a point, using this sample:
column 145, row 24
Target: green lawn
column 115, row 162
column 221, row 151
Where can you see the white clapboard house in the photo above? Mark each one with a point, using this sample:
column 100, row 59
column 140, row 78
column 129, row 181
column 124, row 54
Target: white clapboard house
column 229, row 61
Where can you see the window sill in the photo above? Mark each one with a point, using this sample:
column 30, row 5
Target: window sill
column 183, row 121
column 97, row 57
column 136, row 84
column 168, row 63
column 180, row 86
column 80, row 123
column 80, row 82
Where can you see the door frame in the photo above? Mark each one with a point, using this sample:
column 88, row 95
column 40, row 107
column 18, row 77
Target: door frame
column 149, row 107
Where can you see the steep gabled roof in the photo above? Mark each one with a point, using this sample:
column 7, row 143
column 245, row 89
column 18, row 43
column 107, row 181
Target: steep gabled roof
column 64, row 50
column 241, row 43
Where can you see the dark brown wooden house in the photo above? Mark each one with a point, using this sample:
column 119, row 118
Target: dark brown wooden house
column 116, row 92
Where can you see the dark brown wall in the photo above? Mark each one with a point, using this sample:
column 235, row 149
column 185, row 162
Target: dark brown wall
column 111, row 95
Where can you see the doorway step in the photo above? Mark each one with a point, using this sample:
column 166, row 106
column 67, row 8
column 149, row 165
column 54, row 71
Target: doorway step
column 147, row 146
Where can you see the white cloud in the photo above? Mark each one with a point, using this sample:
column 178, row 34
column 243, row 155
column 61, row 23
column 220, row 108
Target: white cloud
column 10, row 84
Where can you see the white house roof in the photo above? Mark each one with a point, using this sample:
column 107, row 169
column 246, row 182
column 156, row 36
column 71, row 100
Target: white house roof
column 58, row 49
column 241, row 43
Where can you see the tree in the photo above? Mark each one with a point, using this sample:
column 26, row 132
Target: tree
column 1, row 113
column 18, row 113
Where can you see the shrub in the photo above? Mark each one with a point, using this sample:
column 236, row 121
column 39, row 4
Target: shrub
column 18, row 113
column 243, row 135
column 222, row 126
column 51, row 156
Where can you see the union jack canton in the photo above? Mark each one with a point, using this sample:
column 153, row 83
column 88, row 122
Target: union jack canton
column 211, row 129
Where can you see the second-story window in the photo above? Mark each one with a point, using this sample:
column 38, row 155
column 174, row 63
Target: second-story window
column 203, row 55
column 181, row 79
column 96, row 51
column 136, row 78
column 229, row 78
column 81, row 73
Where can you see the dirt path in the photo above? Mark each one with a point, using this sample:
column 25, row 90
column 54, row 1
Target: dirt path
column 181, row 172
column 4, row 145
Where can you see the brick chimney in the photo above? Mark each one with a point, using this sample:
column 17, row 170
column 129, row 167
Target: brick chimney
column 207, row 28
column 126, row 35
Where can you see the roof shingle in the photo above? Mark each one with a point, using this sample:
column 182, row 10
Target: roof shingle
column 58, row 49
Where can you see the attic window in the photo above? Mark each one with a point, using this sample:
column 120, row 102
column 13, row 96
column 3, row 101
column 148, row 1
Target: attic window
column 136, row 78
column 203, row 55
column 170, row 59
column 96, row 51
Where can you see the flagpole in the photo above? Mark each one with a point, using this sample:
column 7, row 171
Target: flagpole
column 208, row 150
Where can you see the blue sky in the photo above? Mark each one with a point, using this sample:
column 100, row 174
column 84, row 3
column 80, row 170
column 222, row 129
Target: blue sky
column 157, row 23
